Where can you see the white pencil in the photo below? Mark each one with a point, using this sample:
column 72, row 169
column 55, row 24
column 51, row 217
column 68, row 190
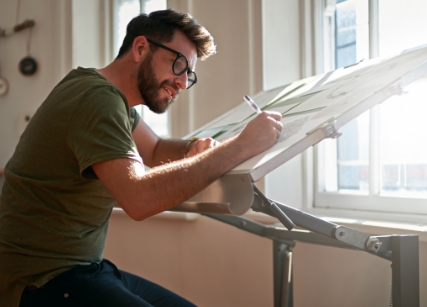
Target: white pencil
column 252, row 104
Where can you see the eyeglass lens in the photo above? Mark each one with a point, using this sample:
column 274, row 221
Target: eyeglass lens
column 180, row 66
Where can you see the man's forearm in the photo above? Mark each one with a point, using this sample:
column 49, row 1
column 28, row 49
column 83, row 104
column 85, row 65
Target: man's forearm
column 168, row 150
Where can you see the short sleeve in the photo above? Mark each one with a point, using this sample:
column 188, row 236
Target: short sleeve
column 100, row 128
column 134, row 118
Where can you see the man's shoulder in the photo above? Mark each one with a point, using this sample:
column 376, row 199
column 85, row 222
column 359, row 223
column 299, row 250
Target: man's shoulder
column 87, row 83
column 84, row 75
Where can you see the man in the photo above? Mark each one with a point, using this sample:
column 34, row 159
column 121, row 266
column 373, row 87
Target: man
column 85, row 149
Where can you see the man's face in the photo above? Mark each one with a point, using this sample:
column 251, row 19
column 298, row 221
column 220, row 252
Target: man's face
column 150, row 88
column 158, row 85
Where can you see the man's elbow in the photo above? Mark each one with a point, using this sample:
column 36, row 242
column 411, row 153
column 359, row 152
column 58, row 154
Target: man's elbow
column 135, row 212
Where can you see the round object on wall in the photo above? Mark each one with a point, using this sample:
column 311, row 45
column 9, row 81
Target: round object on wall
column 28, row 66
column 4, row 86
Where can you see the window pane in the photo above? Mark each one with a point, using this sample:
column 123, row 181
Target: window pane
column 403, row 127
column 345, row 36
column 350, row 154
column 347, row 158
column 402, row 25
column 346, row 33
column 403, row 136
column 353, row 155
column 353, row 145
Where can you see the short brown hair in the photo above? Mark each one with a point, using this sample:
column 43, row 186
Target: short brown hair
column 161, row 26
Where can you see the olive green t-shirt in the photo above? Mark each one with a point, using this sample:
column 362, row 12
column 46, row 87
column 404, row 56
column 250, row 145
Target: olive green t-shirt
column 54, row 211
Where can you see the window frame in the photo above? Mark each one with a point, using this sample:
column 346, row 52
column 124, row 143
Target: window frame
column 339, row 204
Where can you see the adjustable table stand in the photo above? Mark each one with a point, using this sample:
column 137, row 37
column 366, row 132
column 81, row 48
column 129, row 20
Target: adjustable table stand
column 401, row 250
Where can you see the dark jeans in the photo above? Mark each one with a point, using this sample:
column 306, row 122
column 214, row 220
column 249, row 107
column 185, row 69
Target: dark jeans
column 100, row 285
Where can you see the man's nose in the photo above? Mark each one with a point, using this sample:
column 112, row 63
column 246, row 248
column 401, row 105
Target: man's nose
column 181, row 81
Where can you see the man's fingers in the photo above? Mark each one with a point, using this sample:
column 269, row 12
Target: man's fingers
column 275, row 115
column 279, row 125
column 213, row 144
column 279, row 132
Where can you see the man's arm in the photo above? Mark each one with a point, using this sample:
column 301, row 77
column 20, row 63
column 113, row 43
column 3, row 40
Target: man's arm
column 142, row 194
column 156, row 151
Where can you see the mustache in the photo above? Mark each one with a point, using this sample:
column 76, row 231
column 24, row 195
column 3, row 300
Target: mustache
column 170, row 84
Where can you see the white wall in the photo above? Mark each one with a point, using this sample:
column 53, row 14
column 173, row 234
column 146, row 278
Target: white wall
column 26, row 93
column 67, row 34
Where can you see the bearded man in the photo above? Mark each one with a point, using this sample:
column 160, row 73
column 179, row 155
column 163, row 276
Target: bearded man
column 84, row 151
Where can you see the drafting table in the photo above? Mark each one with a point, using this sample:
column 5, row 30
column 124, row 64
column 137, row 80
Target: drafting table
column 313, row 109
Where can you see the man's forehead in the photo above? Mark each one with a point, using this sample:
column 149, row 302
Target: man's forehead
column 183, row 44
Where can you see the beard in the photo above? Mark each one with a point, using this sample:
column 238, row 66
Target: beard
column 149, row 87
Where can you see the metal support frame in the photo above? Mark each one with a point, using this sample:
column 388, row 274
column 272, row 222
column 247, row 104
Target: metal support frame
column 405, row 271
column 401, row 250
column 282, row 273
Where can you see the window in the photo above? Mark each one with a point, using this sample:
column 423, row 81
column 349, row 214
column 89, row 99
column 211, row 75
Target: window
column 380, row 161
column 125, row 11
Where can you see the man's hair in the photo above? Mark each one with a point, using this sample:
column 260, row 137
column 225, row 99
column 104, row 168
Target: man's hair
column 161, row 26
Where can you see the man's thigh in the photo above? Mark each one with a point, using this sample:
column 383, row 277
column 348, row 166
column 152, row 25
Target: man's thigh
column 101, row 285
column 152, row 293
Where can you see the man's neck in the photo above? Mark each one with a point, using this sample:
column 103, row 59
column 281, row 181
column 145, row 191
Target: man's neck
column 124, row 76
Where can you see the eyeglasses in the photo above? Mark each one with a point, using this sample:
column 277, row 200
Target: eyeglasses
column 180, row 65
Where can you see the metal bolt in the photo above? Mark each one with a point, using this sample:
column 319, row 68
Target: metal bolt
column 342, row 234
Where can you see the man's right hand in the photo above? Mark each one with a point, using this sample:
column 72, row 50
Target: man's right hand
column 261, row 132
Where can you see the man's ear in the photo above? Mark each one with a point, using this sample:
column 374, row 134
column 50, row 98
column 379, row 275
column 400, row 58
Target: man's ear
column 140, row 48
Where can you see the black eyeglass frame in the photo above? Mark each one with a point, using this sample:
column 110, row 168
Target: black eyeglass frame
column 190, row 81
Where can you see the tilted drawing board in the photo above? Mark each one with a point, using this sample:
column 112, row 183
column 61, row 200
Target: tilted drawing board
column 313, row 109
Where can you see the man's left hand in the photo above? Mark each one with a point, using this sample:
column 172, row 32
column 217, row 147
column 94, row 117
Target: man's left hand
column 201, row 145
